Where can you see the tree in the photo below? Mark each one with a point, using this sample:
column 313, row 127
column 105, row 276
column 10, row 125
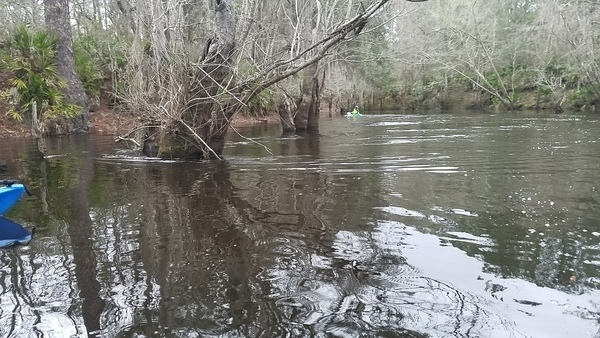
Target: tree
column 188, row 104
column 58, row 22
column 506, row 50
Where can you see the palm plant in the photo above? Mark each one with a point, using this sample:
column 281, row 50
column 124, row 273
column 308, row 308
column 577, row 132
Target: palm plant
column 35, row 76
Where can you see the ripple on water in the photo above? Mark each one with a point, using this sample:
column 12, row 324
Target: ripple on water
column 128, row 158
column 400, row 211
column 468, row 238
column 305, row 307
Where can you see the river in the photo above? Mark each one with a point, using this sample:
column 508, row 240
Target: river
column 447, row 225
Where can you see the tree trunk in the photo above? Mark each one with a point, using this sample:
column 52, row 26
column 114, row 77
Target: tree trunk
column 286, row 117
column 58, row 22
column 307, row 117
column 126, row 22
column 315, row 113
column 200, row 132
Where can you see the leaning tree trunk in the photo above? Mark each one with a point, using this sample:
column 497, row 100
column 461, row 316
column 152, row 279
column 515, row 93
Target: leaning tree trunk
column 58, row 21
column 200, row 131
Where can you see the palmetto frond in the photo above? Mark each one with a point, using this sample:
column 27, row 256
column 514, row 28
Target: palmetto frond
column 36, row 75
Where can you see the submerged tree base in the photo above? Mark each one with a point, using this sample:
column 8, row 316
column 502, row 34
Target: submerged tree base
column 172, row 146
column 173, row 143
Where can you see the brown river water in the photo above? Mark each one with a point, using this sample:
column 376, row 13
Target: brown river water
column 450, row 225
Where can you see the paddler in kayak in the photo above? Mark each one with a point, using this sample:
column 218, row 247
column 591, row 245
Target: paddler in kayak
column 355, row 111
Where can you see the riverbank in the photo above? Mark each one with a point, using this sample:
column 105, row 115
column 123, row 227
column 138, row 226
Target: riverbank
column 108, row 122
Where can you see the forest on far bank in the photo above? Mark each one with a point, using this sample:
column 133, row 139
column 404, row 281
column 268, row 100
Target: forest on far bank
column 159, row 60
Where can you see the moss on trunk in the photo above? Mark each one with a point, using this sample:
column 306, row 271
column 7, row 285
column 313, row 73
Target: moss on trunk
column 172, row 146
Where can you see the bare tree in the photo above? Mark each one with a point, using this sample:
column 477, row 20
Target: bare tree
column 507, row 50
column 27, row 12
column 188, row 99
column 479, row 48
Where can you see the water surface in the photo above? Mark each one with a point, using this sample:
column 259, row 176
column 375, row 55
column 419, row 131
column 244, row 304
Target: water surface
column 378, row 226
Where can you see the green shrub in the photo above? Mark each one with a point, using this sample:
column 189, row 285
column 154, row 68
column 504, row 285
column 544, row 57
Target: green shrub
column 262, row 103
column 584, row 96
column 88, row 64
column 35, row 76
column 569, row 76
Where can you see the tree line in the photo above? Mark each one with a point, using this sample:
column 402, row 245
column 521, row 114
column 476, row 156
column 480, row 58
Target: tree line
column 186, row 68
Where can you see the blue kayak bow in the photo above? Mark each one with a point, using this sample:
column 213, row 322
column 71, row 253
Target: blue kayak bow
column 12, row 233
column 10, row 193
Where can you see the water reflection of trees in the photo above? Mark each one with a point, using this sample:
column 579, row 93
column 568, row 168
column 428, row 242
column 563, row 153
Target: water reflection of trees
column 264, row 245
column 79, row 229
column 53, row 267
column 222, row 260
column 182, row 248
column 177, row 249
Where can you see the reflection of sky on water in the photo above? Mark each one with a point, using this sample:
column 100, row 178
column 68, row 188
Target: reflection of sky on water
column 37, row 291
column 558, row 315
column 398, row 277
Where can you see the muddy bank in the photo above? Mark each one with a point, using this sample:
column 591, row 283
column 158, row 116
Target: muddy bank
column 108, row 122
